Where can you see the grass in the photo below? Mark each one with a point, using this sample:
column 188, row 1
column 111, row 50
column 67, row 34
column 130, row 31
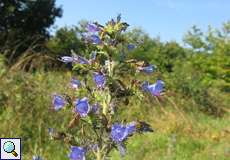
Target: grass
column 184, row 134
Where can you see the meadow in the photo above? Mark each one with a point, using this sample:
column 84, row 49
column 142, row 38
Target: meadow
column 189, row 113
column 182, row 134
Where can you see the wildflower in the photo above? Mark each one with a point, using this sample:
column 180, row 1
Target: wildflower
column 82, row 60
column 131, row 47
column 82, row 107
column 77, row 153
column 95, row 108
column 144, row 86
column 99, row 79
column 120, row 132
column 36, row 158
column 95, row 39
column 157, row 88
column 131, row 127
column 75, row 84
column 67, row 59
column 92, row 27
column 147, row 69
column 58, row 102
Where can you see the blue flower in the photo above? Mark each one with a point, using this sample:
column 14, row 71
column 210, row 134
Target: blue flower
column 148, row 69
column 131, row 127
column 36, row 158
column 92, row 27
column 157, row 88
column 75, row 83
column 77, row 153
column 82, row 60
column 95, row 39
column 120, row 132
column 82, row 107
column 58, row 102
column 99, row 79
column 131, row 47
column 95, row 108
column 144, row 86
column 67, row 59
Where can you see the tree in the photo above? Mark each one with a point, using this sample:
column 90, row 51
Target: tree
column 65, row 40
column 22, row 22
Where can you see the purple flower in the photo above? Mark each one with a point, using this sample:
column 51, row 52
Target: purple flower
column 144, row 86
column 147, row 69
column 92, row 27
column 157, row 88
column 95, row 108
column 95, row 39
column 120, row 132
column 82, row 107
column 77, row 153
column 82, row 60
column 99, row 79
column 67, row 59
column 36, row 158
column 131, row 127
column 75, row 58
column 131, row 47
column 58, row 102
column 75, row 84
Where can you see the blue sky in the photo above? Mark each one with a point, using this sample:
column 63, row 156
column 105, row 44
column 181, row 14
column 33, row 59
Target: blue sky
column 169, row 19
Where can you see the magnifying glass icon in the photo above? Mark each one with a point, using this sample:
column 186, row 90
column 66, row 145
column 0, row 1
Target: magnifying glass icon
column 9, row 147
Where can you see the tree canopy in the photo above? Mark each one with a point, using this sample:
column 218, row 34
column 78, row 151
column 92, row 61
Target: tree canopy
column 24, row 21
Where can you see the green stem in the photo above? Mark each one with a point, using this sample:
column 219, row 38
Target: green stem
column 99, row 156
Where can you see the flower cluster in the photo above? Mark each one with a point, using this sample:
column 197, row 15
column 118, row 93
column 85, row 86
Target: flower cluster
column 95, row 104
column 92, row 34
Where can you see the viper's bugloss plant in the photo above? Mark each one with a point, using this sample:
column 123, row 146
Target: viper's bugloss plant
column 100, row 90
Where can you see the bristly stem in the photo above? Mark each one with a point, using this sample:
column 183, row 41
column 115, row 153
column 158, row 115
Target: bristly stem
column 98, row 155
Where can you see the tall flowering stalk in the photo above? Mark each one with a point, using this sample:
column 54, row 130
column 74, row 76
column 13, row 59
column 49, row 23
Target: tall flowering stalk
column 101, row 91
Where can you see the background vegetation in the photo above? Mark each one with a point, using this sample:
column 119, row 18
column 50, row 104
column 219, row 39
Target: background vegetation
column 191, row 122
